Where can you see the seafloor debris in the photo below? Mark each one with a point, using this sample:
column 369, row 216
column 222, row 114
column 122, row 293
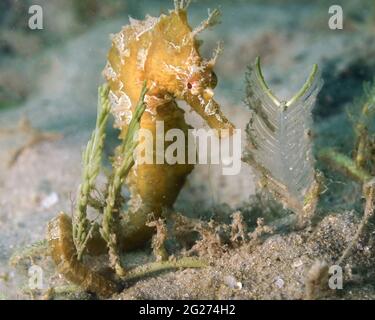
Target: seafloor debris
column 316, row 279
column 159, row 238
column 33, row 137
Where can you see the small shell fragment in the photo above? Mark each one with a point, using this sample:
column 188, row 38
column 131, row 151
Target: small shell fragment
column 232, row 282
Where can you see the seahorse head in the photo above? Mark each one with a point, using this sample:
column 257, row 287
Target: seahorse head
column 164, row 51
column 174, row 60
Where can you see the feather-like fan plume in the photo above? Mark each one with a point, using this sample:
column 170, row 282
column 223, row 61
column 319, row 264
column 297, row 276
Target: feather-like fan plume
column 279, row 135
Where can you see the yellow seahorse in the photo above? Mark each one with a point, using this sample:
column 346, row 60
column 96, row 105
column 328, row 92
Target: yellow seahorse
column 164, row 51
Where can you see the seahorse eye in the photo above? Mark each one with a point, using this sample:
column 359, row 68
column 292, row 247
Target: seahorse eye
column 213, row 80
column 189, row 85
